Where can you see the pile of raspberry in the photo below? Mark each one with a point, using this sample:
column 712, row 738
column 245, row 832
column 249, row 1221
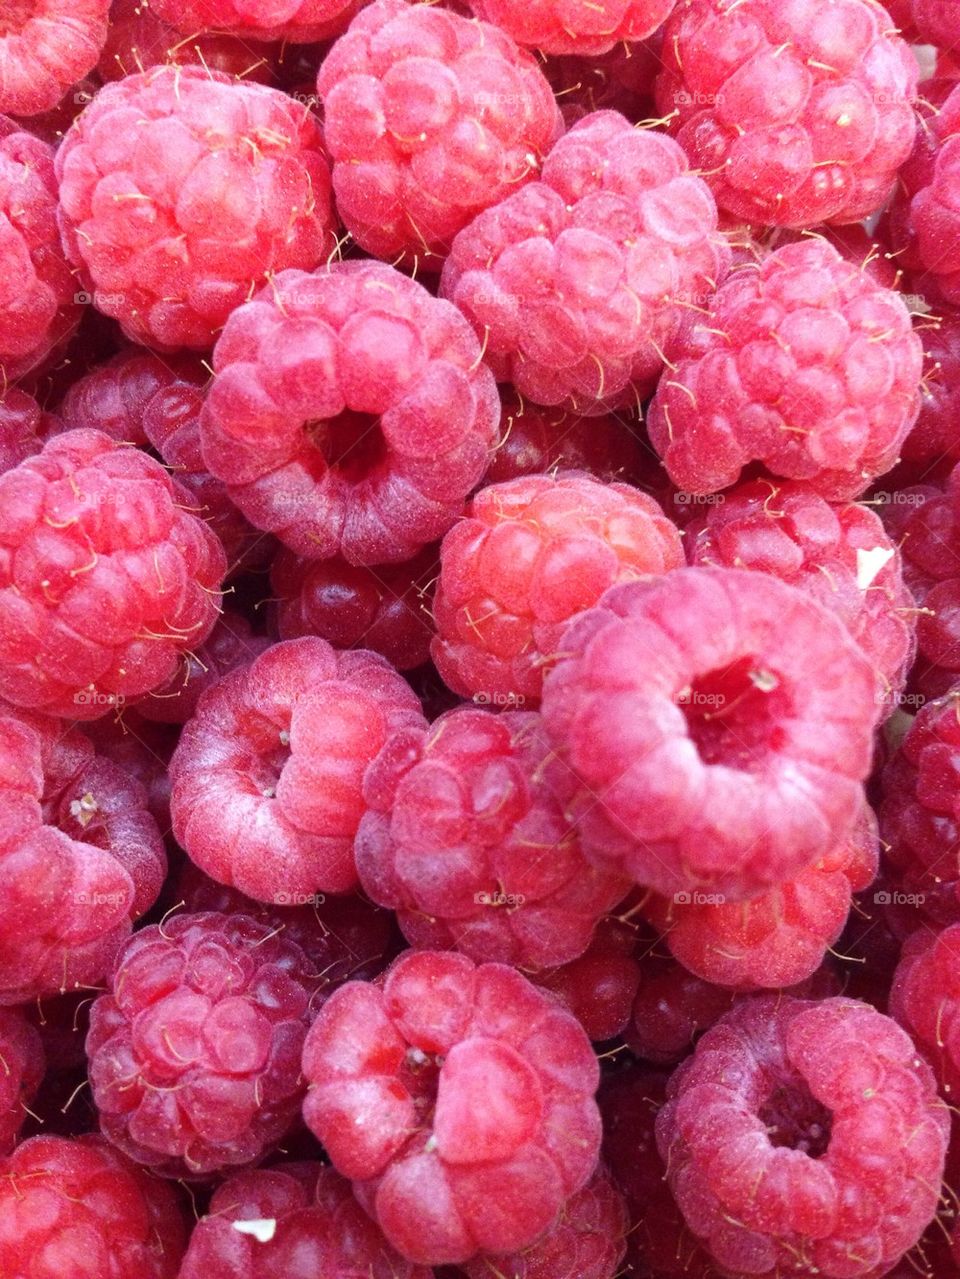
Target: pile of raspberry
column 479, row 639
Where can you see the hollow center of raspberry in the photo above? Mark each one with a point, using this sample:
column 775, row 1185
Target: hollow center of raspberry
column 15, row 14
column 735, row 715
column 351, row 444
column 794, row 1118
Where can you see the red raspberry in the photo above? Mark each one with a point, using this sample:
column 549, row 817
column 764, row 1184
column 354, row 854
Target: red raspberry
column 350, row 413
column 459, row 1099
column 937, row 431
column 527, row 556
column 105, row 577
column 600, row 986
column 144, row 177
column 935, row 22
column 797, row 113
column 557, row 26
column 24, row 427
column 21, row 1070
column 267, row 779
column 924, row 999
column 142, row 748
column 805, row 1136
column 464, row 841
column 293, row 21
column 672, row 1009
column 578, row 283
column 300, row 1221
column 428, row 119
column 45, row 47
column 803, row 363
column 717, row 723
column 195, row 1048
column 79, row 1208
column 385, row 608
column 139, row 38
column 619, row 80
column 841, row 555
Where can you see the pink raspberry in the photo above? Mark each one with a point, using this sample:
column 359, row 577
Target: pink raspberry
column 24, row 427
column 181, row 191
column 924, row 999
column 79, row 1208
column 937, row 431
column 105, row 577
column 672, row 1009
column 620, row 80
column 267, row 779
column 797, row 113
column 460, row 1101
column 559, row 26
column 600, row 986
column 310, row 1225
column 293, row 21
column 934, row 21
column 803, row 364
column 578, row 283
column 139, row 39
column 195, row 1048
column 22, row 1062
column 45, row 47
column 805, row 1136
column 713, row 728
column 350, row 413
column 462, row 838
column 527, row 556
column 840, row 555
column 428, row 119
column 142, row 748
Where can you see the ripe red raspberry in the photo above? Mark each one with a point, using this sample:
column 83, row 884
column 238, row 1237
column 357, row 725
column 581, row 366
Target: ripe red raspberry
column 24, row 427
column 142, row 748
column 79, row 1208
column 195, row 1048
column 937, row 431
column 804, row 364
column 293, row 21
column 600, row 986
column 672, row 1009
column 298, row 1220
column 105, row 577
column 267, row 779
column 805, row 1136
column 619, row 80
column 527, row 556
column 463, row 840
column 933, row 21
column 578, row 282
column 459, row 1099
column 555, row 26
column 45, row 47
column 428, row 119
column 841, row 555
column 384, row 608
column 139, row 38
column 350, row 413
column 181, row 190
column 797, row 113
column 21, row 1070
column 923, row 998
column 715, row 726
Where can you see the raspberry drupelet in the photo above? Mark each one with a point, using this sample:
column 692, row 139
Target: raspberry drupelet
column 804, row 364
column 527, row 556
column 599, row 987
column 671, row 1010
column 105, row 577
column 459, row 1099
column 923, row 998
column 804, row 1137
column 928, row 21
column 45, row 47
column 936, row 433
column 575, row 26
column 713, row 729
column 182, row 190
column 267, row 778
column 796, row 113
column 578, row 282
column 24, row 427
column 619, row 80
column 292, row 21
column 350, row 413
column 21, row 1070
column 194, row 1050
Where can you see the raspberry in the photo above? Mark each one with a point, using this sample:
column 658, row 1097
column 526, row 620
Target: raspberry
column 459, row 1099
column 142, row 748
column 266, row 781
column 555, row 26
column 803, row 364
column 350, row 413
column 21, row 1057
column 804, row 1136
column 105, row 578
column 79, row 1208
column 937, row 431
column 293, row 21
column 672, row 1009
column 300, row 1221
column 527, row 556
column 139, row 39
column 45, row 47
column 619, row 80
column 600, row 986
column 841, row 555
column 24, row 427
column 385, row 609
column 146, row 215
column 195, row 1048
column 717, row 723
column 797, row 113
column 464, row 841
column 428, row 119
column 578, row 282
column 923, row 999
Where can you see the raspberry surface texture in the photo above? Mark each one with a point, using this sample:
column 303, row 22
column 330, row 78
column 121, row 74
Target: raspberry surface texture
column 45, row 47
column 554, row 26
column 21, row 1051
column 936, row 433
column 24, row 427
column 295, row 21
column 599, row 987
column 923, row 999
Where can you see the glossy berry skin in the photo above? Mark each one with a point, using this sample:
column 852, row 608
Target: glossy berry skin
column 725, row 721
column 350, row 413
column 22, row 1061
column 672, row 1009
column 797, row 114
column 293, row 21
column 803, row 364
column 428, row 118
column 143, row 209
column 923, row 999
column 463, row 839
column 459, row 1100
column 195, row 1048
column 105, row 577
column 599, row 987
column 24, row 427
column 527, row 556
column 804, row 1133
column 556, row 27
column 936, row 433
column 578, row 282
column 267, row 778
column 45, row 47
column 315, row 1226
